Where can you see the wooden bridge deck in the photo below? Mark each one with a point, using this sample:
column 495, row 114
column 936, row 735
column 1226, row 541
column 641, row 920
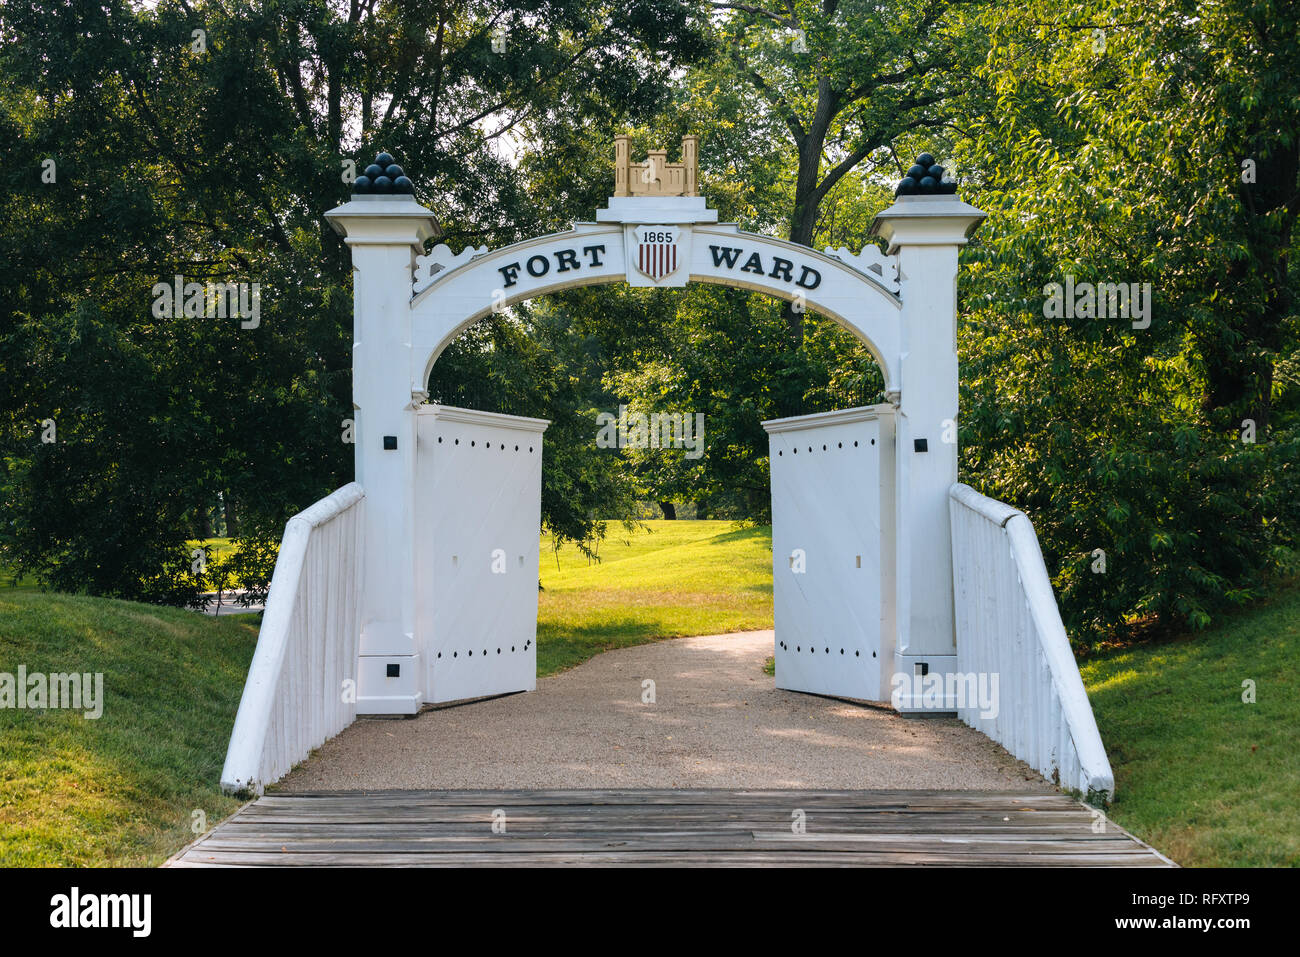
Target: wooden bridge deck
column 664, row 827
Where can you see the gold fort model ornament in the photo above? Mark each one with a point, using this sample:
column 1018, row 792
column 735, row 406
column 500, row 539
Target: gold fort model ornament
column 656, row 176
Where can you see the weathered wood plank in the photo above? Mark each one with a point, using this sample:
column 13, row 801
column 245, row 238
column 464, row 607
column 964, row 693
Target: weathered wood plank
column 282, row 828
column 666, row 828
column 673, row 796
column 670, row 859
column 580, row 819
column 1027, row 851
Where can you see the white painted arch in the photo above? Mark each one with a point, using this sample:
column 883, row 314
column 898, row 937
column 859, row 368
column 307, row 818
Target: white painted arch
column 409, row 305
column 470, row 287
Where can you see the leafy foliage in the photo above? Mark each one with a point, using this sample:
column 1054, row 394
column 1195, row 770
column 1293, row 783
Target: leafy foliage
column 1110, row 155
column 214, row 156
column 1151, row 142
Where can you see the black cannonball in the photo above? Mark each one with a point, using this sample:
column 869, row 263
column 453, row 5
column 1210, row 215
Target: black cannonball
column 373, row 170
column 361, row 184
column 383, row 184
column 937, row 172
column 906, row 185
column 385, row 159
column 916, row 172
column 949, row 188
column 926, row 160
column 927, row 184
column 393, row 171
column 403, row 184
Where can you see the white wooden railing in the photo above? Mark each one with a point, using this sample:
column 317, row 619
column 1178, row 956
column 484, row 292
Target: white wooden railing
column 1008, row 625
column 294, row 697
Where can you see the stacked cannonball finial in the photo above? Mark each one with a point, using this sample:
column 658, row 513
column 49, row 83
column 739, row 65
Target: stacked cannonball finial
column 925, row 178
column 383, row 177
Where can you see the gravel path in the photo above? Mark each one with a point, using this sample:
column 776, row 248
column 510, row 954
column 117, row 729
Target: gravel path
column 717, row 722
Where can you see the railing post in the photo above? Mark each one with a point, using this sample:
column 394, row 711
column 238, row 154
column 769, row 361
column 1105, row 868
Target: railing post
column 926, row 231
column 385, row 234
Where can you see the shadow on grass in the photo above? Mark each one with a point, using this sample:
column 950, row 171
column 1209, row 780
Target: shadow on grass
column 749, row 533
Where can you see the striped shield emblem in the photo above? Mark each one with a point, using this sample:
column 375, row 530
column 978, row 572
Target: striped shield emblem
column 656, row 251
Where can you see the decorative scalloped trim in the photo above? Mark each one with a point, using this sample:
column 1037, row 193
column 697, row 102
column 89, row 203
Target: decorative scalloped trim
column 871, row 261
column 430, row 268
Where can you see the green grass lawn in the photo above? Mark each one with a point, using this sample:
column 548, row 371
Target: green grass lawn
column 1200, row 775
column 12, row 581
column 667, row 580
column 221, row 547
column 121, row 789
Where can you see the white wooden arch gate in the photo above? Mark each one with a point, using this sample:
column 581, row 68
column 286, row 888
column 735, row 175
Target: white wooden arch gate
column 408, row 305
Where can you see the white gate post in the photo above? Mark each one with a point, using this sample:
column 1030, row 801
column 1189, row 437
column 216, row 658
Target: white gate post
column 385, row 231
column 926, row 231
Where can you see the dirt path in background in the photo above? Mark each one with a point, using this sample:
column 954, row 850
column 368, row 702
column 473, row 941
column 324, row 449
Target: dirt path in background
column 718, row 722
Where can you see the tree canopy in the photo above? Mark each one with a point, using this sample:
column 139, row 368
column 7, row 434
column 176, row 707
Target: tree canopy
column 1119, row 143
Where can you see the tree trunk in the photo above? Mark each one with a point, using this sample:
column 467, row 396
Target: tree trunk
column 203, row 523
column 231, row 515
column 803, row 222
column 803, row 218
column 669, row 510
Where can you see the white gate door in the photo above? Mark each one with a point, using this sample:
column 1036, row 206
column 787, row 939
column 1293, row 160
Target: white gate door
column 478, row 519
column 832, row 554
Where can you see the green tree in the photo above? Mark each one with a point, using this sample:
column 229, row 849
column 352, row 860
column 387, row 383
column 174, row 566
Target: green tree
column 845, row 79
column 207, row 140
column 1105, row 143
